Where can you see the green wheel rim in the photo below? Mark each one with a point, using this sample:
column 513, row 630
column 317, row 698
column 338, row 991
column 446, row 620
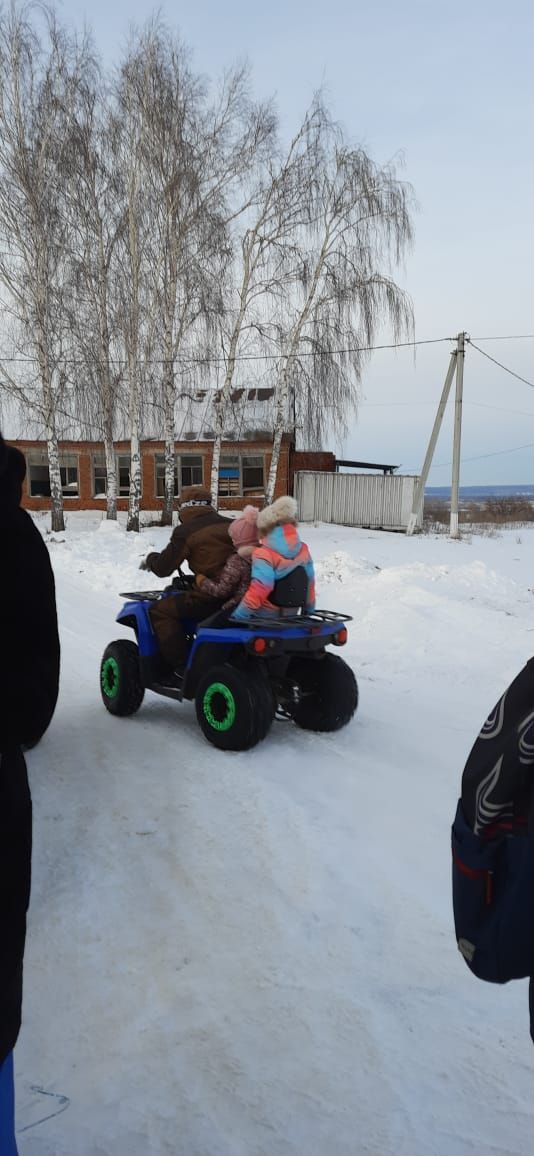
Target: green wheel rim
column 110, row 677
column 218, row 705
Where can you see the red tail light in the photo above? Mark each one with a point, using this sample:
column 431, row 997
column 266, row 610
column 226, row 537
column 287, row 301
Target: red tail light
column 340, row 638
column 260, row 645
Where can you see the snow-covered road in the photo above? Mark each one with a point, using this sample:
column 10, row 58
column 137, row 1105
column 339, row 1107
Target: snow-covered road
column 253, row 954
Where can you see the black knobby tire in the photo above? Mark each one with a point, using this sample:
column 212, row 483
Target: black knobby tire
column 120, row 681
column 235, row 706
column 328, row 692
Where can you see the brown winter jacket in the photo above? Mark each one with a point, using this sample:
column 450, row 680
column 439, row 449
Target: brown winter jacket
column 201, row 539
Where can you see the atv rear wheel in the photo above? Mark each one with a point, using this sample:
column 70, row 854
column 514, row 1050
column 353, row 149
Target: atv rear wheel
column 120, row 681
column 235, row 706
column 328, row 692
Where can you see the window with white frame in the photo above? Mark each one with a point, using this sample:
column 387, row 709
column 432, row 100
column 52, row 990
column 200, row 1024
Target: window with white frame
column 191, row 470
column 39, row 477
column 68, row 467
column 159, row 466
column 229, row 476
column 253, row 474
column 123, row 474
column 188, row 471
column 241, row 475
column 100, row 476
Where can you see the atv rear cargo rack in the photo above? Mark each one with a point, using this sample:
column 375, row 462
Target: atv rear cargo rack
column 313, row 619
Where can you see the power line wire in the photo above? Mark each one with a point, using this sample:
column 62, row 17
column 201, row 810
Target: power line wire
column 500, row 364
column 194, row 359
column 506, row 337
column 186, row 358
column 482, row 457
column 386, row 404
column 501, row 408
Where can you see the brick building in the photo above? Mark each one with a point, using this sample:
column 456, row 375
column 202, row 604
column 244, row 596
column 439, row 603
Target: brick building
column 243, row 473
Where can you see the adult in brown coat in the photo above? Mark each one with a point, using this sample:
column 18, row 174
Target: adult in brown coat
column 202, row 540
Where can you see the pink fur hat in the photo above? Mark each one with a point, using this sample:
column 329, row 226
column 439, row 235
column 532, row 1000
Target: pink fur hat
column 244, row 529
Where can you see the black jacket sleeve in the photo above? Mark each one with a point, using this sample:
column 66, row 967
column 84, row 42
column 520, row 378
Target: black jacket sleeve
column 172, row 556
column 29, row 665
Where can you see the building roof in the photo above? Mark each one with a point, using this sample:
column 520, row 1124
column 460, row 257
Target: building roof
column 385, row 469
column 250, row 418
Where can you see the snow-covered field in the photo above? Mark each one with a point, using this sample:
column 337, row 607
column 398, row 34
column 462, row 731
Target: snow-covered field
column 253, row 954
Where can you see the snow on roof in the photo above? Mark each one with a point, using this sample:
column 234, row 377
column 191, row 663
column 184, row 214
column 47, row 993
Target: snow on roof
column 250, row 417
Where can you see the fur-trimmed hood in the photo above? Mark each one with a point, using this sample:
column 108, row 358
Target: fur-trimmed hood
column 282, row 542
column 282, row 512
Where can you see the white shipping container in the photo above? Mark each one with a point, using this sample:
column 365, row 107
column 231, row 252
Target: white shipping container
column 372, row 501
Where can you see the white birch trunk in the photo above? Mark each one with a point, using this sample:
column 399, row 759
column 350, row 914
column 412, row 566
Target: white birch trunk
column 282, row 390
column 170, row 456
column 282, row 401
column 134, row 499
column 106, row 391
column 169, row 403
column 220, row 418
column 224, row 395
column 133, row 361
column 57, row 520
column 111, row 477
column 135, row 479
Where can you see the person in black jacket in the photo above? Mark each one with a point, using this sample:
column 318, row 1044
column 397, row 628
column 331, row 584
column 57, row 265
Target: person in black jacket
column 493, row 843
column 29, row 682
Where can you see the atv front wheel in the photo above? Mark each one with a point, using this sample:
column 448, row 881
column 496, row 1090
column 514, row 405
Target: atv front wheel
column 120, row 682
column 328, row 692
column 234, row 706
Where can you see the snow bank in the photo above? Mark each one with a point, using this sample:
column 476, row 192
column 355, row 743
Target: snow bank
column 341, row 567
column 253, row 954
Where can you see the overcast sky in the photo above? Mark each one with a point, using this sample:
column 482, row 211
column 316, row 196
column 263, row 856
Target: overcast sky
column 451, row 86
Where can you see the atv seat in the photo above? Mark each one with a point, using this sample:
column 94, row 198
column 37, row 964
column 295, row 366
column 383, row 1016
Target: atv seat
column 288, row 594
column 217, row 621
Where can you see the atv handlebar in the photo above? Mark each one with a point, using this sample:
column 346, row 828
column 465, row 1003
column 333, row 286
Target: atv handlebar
column 181, row 581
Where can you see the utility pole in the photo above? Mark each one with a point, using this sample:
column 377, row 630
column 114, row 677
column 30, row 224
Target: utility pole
column 419, row 492
column 455, row 488
column 456, row 364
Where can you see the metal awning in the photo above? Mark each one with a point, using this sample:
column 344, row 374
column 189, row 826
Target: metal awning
column 365, row 466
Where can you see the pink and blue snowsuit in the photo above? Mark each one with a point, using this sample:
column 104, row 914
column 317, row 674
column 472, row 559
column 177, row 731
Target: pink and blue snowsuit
column 280, row 552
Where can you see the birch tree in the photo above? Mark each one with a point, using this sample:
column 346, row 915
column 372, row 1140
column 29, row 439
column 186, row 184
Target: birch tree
column 279, row 208
column 98, row 219
column 199, row 150
column 171, row 109
column 132, row 266
column 38, row 89
column 359, row 234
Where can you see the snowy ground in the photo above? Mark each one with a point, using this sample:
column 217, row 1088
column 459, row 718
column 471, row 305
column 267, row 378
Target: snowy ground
column 253, row 954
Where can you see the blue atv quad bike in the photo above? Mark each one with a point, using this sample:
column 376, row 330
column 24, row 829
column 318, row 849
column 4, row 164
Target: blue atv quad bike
column 239, row 673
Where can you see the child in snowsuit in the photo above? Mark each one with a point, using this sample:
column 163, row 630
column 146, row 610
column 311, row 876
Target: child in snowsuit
column 280, row 551
column 234, row 579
